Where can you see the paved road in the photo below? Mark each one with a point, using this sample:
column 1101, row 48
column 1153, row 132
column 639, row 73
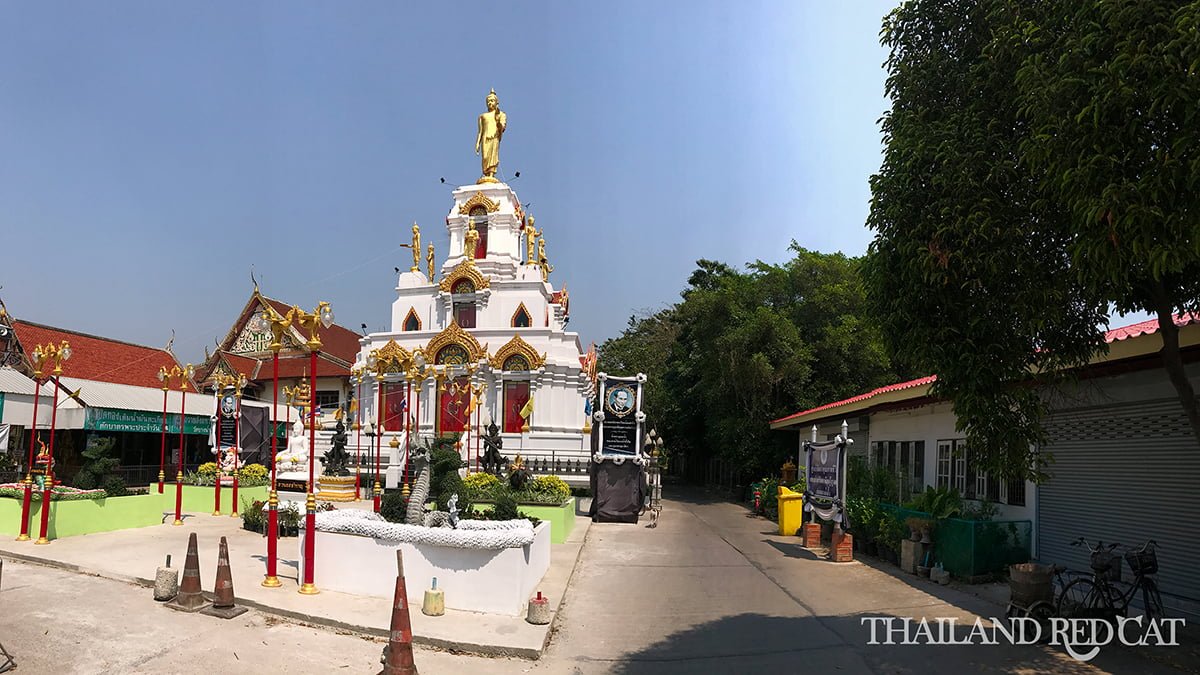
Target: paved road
column 709, row 591
column 712, row 590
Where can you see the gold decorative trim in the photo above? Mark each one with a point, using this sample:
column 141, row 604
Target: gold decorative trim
column 395, row 356
column 454, row 334
column 478, row 199
column 517, row 346
column 512, row 320
column 412, row 313
column 465, row 270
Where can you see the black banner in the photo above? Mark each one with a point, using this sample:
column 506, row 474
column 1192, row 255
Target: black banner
column 291, row 485
column 620, row 399
column 824, row 471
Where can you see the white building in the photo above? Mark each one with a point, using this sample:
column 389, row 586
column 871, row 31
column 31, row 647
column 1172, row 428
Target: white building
column 495, row 321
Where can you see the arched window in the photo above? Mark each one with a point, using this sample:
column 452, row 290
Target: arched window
column 520, row 318
column 516, row 362
column 411, row 322
column 479, row 217
column 463, row 286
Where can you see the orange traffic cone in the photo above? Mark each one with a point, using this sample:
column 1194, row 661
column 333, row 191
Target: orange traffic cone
column 398, row 654
column 223, row 588
column 190, row 599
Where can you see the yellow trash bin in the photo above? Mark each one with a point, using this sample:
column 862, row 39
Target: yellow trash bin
column 791, row 511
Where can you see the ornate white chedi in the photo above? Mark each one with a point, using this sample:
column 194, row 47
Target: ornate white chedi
column 494, row 313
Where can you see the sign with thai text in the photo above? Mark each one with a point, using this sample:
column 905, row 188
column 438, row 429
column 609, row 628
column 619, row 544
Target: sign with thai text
column 619, row 415
column 111, row 419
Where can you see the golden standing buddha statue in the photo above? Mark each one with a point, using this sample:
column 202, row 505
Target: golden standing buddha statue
column 487, row 142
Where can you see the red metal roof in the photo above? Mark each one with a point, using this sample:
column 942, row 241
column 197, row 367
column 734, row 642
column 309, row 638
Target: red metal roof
column 1115, row 335
column 929, row 379
column 98, row 358
column 1146, row 328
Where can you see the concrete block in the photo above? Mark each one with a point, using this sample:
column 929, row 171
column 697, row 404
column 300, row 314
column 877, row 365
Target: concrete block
column 841, row 547
column 166, row 583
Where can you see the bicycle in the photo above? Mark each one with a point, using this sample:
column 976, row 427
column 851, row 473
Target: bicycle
column 1101, row 596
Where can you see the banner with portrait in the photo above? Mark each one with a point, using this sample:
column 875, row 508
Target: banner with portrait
column 227, row 412
column 619, row 415
column 824, row 474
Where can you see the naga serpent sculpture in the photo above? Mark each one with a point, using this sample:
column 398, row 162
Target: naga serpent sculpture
column 416, row 514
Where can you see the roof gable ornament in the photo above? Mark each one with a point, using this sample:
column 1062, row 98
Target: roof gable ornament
column 464, row 270
column 514, row 347
column 478, row 199
column 454, row 334
column 394, row 356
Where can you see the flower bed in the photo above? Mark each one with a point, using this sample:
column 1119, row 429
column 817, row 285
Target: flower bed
column 58, row 493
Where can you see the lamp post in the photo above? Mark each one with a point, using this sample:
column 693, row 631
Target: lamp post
column 321, row 316
column 237, row 441
column 357, row 373
column 373, row 364
column 162, row 449
column 39, row 359
column 59, row 354
column 184, row 375
column 221, row 382
column 279, row 326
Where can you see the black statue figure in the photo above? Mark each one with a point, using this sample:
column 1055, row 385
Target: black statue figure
column 336, row 458
column 493, row 461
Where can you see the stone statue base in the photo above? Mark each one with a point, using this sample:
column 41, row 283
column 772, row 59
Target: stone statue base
column 486, row 179
column 335, row 488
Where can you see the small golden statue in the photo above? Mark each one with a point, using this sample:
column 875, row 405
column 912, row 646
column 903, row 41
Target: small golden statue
column 416, row 248
column 531, row 235
column 429, row 261
column 487, row 142
column 470, row 241
column 543, row 262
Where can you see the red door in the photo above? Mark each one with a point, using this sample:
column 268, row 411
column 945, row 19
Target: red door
column 452, row 411
column 393, row 406
column 516, row 395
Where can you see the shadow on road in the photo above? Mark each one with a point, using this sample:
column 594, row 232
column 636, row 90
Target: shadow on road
column 749, row 642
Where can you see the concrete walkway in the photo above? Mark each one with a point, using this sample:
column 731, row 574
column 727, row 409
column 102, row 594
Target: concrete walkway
column 132, row 556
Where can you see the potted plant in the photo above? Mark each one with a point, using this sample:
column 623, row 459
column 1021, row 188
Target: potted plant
column 252, row 515
column 914, row 527
column 289, row 521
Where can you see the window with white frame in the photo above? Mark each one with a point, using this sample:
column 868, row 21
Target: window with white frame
column 945, row 453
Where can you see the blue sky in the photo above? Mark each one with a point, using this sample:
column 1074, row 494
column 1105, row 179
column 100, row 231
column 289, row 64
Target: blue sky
column 151, row 152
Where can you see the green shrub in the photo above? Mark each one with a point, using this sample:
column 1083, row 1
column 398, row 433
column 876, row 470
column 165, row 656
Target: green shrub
column 393, row 507
column 506, row 508
column 449, row 485
column 252, row 472
column 553, row 489
column 481, row 486
column 97, row 465
column 114, row 486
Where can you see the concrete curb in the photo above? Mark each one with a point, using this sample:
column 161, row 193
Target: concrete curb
column 456, row 646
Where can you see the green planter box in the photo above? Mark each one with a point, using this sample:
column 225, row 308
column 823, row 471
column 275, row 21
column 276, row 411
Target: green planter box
column 561, row 517
column 84, row 516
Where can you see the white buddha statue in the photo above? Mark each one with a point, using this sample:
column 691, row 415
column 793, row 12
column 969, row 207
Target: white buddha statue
column 295, row 456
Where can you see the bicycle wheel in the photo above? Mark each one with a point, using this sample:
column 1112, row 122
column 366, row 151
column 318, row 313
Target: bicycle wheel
column 1083, row 599
column 1151, row 599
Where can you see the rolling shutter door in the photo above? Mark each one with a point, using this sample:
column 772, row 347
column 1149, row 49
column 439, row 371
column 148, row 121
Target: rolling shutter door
column 1126, row 473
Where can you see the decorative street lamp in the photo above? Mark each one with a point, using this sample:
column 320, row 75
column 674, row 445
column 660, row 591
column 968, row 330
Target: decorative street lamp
column 239, row 386
column 39, row 359
column 373, row 365
column 220, row 384
column 162, row 449
column 184, row 375
column 321, row 316
column 279, row 326
column 59, row 354
column 358, row 374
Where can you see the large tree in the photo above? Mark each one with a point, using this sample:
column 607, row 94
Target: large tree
column 987, row 265
column 745, row 347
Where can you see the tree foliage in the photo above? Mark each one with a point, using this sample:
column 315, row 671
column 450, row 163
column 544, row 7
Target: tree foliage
column 1007, row 211
column 743, row 348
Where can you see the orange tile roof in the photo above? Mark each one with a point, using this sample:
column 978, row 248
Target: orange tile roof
column 98, row 358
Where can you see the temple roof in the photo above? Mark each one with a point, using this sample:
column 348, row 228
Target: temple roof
column 98, row 358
